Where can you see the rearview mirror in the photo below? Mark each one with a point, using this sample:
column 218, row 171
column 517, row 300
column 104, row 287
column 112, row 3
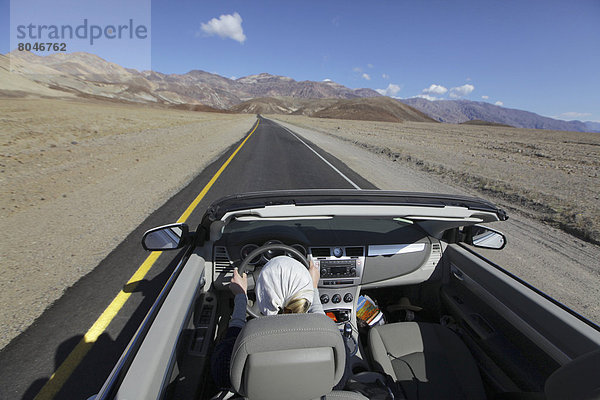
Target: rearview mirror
column 484, row 237
column 167, row 237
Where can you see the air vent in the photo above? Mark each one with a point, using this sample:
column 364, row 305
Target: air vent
column 222, row 261
column 435, row 256
column 320, row 251
column 355, row 251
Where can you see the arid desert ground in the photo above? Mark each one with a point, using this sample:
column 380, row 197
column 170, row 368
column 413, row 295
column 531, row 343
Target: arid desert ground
column 77, row 176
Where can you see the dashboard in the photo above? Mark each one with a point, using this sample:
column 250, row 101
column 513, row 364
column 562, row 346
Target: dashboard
column 344, row 270
column 342, row 266
column 352, row 253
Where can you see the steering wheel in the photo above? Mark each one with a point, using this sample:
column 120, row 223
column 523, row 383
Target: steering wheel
column 288, row 251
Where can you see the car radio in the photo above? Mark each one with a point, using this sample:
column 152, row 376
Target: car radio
column 338, row 268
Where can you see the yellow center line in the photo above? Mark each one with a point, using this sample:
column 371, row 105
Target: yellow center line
column 66, row 368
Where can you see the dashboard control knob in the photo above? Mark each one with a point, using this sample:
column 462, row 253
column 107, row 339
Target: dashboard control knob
column 353, row 271
column 324, row 299
column 336, row 298
column 348, row 298
column 323, row 271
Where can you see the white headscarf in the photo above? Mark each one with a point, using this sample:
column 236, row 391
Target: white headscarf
column 280, row 280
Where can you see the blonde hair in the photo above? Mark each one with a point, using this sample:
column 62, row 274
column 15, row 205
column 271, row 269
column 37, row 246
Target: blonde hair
column 296, row 305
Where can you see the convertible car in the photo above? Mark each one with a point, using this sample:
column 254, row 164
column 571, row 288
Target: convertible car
column 411, row 310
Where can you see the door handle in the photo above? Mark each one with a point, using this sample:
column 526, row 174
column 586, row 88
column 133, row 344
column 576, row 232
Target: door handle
column 457, row 273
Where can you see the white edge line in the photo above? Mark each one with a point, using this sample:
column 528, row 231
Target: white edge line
column 321, row 157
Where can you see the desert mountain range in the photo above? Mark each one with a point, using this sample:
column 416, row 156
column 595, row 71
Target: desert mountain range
column 80, row 74
column 88, row 74
column 460, row 111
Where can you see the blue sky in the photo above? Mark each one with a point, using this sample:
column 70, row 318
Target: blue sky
column 540, row 56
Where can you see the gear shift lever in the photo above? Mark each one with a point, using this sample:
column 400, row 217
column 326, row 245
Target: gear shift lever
column 347, row 330
column 347, row 335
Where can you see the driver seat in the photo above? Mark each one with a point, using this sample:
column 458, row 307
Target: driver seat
column 291, row 356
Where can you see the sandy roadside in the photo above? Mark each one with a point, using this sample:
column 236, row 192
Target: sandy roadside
column 54, row 169
column 555, row 262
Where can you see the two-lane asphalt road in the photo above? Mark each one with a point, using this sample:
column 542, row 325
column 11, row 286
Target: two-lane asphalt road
column 59, row 341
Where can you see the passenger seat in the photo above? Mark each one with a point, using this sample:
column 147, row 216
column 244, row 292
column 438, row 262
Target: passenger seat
column 429, row 361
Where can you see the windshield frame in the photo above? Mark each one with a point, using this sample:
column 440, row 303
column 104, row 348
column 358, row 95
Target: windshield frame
column 343, row 197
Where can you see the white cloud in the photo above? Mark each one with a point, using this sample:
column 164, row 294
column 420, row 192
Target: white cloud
column 366, row 76
column 427, row 97
column 357, row 69
column 226, row 26
column 233, row 78
column 573, row 115
column 370, row 65
column 327, row 80
column 435, row 89
column 385, row 76
column 392, row 90
column 499, row 103
column 485, row 97
column 461, row 91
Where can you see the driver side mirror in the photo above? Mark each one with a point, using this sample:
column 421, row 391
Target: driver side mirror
column 167, row 237
column 484, row 237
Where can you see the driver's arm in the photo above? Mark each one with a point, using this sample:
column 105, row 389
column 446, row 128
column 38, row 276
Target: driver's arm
column 238, row 286
column 316, row 306
column 238, row 316
column 223, row 350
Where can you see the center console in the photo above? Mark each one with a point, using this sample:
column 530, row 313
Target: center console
column 341, row 269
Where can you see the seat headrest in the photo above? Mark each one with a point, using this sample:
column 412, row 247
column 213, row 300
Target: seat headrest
column 292, row 356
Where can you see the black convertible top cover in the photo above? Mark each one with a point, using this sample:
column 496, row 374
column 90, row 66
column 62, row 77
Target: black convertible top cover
column 308, row 197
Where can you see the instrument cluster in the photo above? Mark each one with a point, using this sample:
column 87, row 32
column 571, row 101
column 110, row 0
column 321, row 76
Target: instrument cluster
column 265, row 257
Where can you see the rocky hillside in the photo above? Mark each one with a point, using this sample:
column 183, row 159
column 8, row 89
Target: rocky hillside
column 374, row 109
column 365, row 109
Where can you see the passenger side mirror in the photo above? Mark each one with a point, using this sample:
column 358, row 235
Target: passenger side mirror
column 167, row 237
column 484, row 237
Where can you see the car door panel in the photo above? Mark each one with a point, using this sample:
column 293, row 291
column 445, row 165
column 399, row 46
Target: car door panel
column 525, row 333
column 487, row 331
column 150, row 371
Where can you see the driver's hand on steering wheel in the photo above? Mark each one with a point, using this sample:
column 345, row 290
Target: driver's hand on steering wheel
column 314, row 273
column 239, row 283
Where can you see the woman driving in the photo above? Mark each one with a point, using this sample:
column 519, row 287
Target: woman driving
column 283, row 286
